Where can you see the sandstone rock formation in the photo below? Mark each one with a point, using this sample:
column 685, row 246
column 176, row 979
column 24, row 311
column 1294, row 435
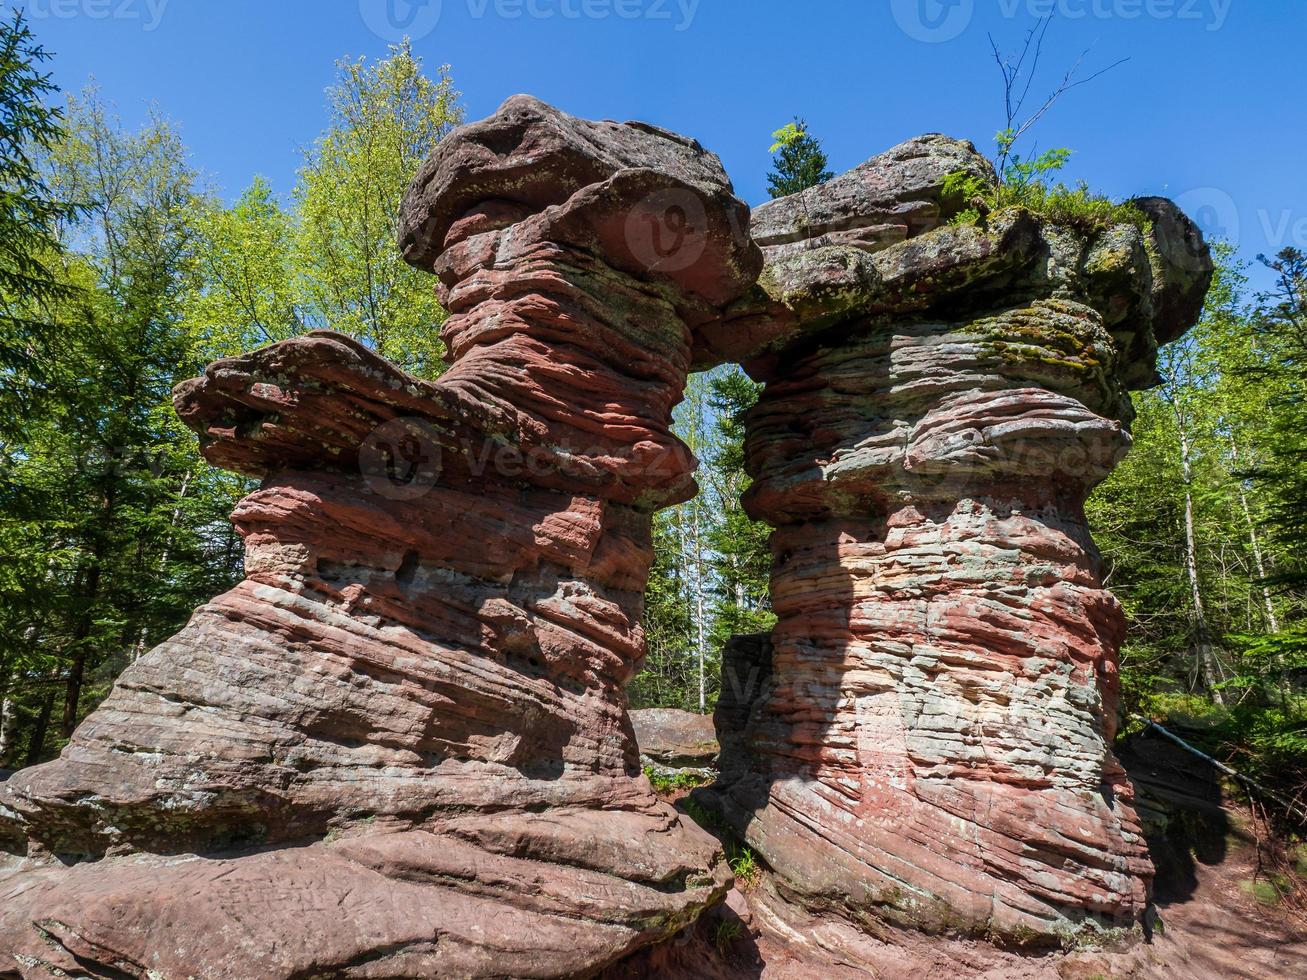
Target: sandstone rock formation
column 675, row 739
column 925, row 739
column 400, row 746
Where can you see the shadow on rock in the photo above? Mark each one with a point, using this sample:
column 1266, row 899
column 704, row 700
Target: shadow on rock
column 1178, row 797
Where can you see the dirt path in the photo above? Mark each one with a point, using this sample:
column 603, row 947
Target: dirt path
column 1212, row 925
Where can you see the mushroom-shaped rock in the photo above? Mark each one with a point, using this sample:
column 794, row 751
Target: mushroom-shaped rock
column 655, row 204
column 878, row 241
column 400, row 746
column 929, row 736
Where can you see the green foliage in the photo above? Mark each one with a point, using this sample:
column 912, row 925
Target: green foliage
column 30, row 212
column 724, row 933
column 248, row 290
column 745, row 867
column 669, row 678
column 799, row 161
column 1298, row 855
column 1078, row 207
column 743, row 560
column 331, row 260
column 1213, row 448
column 787, row 135
column 707, row 819
column 1268, row 890
column 1275, row 356
column 1267, row 741
column 712, row 563
column 112, row 526
column 120, row 275
column 115, row 525
column 1028, row 183
column 384, row 119
column 1265, row 655
column 666, row 782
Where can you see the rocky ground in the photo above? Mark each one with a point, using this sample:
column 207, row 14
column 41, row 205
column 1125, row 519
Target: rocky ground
column 1217, row 913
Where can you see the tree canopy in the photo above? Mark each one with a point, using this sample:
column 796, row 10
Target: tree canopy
column 798, row 160
column 120, row 275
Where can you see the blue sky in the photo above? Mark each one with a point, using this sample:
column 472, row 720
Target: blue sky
column 1208, row 109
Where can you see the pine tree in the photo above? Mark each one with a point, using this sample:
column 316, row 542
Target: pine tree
column 680, row 669
column 111, row 521
column 1196, row 530
column 112, row 527
column 669, row 674
column 29, row 215
column 799, row 161
column 712, row 564
column 742, row 555
column 1281, row 332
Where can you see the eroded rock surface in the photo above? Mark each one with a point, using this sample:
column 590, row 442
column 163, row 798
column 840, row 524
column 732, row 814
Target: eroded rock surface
column 926, row 737
column 675, row 739
column 400, row 747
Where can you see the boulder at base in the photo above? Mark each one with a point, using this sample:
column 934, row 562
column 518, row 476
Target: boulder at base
column 674, row 738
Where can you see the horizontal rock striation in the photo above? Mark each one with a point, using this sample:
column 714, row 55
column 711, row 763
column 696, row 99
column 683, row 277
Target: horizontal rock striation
column 926, row 738
column 400, row 746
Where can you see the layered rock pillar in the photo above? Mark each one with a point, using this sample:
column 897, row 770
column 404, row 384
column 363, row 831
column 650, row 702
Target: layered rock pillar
column 400, row 746
column 926, row 737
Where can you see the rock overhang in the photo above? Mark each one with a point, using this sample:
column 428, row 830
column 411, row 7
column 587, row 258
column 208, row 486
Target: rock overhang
column 879, row 243
column 654, row 203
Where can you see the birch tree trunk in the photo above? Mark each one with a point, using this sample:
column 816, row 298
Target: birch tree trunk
column 1259, row 563
column 8, row 718
column 700, row 641
column 1206, row 654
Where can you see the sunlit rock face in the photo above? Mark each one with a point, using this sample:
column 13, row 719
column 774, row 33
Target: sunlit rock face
column 400, row 746
column 926, row 736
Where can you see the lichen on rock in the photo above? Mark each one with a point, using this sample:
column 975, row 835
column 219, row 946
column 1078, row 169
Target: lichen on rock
column 400, row 746
column 929, row 739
